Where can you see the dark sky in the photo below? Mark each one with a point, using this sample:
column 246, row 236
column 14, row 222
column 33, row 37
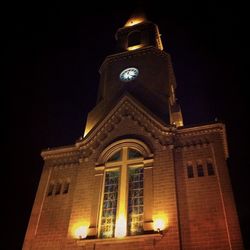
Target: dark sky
column 52, row 57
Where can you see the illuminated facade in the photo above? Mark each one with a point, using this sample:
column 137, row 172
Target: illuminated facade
column 138, row 178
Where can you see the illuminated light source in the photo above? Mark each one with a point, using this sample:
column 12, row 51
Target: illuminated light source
column 134, row 20
column 79, row 230
column 135, row 47
column 121, row 228
column 87, row 129
column 160, row 223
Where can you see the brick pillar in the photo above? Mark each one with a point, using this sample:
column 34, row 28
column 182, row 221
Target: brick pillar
column 148, row 198
column 37, row 208
column 227, row 198
column 98, row 182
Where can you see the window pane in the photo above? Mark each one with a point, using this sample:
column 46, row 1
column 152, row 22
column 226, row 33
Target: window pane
column 190, row 171
column 135, row 201
column 200, row 171
column 58, row 188
column 210, row 168
column 115, row 157
column 132, row 154
column 109, row 204
column 50, row 189
column 66, row 188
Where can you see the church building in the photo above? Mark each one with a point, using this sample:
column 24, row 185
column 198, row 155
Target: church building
column 138, row 178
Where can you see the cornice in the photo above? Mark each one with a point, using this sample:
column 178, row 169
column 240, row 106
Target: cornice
column 66, row 151
column 130, row 54
column 200, row 131
column 129, row 109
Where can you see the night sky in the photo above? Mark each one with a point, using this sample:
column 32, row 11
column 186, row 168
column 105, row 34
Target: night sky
column 52, row 57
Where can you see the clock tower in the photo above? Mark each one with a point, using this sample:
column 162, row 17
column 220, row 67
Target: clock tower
column 137, row 178
column 141, row 69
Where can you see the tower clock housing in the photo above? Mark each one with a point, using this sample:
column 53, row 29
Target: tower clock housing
column 150, row 77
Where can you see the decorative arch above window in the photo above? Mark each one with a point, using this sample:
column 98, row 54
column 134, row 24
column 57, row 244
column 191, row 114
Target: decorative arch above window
column 134, row 145
column 122, row 210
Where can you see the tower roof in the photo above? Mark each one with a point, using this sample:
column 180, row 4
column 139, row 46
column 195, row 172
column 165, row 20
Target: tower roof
column 138, row 17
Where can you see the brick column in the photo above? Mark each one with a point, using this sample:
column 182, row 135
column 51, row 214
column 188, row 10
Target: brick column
column 148, row 197
column 227, row 197
column 37, row 208
column 98, row 182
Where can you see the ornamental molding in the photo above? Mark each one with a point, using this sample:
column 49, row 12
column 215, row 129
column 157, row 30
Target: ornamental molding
column 132, row 54
column 69, row 152
column 127, row 109
column 62, row 161
column 201, row 136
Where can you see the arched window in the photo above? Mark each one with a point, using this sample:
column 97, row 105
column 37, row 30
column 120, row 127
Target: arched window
column 134, row 38
column 122, row 209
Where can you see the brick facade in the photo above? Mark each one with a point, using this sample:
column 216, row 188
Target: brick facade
column 200, row 210
column 186, row 185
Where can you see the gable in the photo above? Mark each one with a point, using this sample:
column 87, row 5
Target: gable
column 127, row 108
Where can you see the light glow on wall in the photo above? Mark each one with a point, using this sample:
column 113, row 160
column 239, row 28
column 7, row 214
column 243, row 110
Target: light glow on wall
column 87, row 129
column 79, row 230
column 135, row 47
column 121, row 227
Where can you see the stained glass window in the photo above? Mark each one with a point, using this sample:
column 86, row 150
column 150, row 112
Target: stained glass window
column 115, row 157
column 133, row 154
column 135, row 201
column 109, row 204
column 124, row 166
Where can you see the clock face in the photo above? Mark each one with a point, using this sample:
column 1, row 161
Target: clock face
column 129, row 74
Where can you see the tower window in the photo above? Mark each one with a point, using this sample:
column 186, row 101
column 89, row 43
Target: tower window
column 210, row 168
column 58, row 188
column 134, row 38
column 190, row 171
column 50, row 189
column 200, row 170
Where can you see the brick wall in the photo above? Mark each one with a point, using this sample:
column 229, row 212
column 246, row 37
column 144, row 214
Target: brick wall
column 200, row 211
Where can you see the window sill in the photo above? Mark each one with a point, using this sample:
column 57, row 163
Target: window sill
column 83, row 242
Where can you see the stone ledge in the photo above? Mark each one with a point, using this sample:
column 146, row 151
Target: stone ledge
column 144, row 237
